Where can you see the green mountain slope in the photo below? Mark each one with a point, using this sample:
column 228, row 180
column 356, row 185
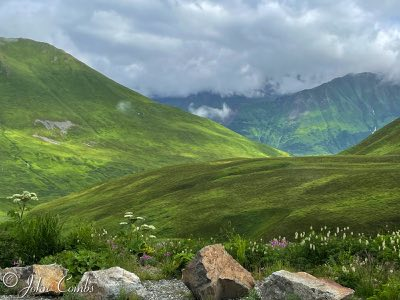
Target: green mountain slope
column 385, row 141
column 260, row 197
column 323, row 120
column 64, row 126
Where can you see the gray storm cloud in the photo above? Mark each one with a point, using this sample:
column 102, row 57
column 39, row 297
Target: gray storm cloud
column 178, row 47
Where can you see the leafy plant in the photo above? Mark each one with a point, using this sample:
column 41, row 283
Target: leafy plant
column 136, row 235
column 21, row 200
column 78, row 262
column 388, row 291
column 237, row 246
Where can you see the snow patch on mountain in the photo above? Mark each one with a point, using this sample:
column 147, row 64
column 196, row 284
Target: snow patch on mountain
column 47, row 140
column 63, row 126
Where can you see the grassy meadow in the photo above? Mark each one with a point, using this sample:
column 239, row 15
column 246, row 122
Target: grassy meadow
column 259, row 197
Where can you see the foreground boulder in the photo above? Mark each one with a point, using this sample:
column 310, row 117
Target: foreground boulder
column 283, row 284
column 34, row 280
column 214, row 274
column 109, row 284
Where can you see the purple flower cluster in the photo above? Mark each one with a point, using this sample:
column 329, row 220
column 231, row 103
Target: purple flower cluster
column 145, row 258
column 167, row 254
column 275, row 243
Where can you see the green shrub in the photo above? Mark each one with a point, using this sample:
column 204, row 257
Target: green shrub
column 86, row 236
column 388, row 291
column 78, row 262
column 237, row 245
column 9, row 251
column 38, row 237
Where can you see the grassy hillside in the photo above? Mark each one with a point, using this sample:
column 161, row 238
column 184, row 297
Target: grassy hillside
column 385, row 141
column 260, row 197
column 64, row 126
column 323, row 120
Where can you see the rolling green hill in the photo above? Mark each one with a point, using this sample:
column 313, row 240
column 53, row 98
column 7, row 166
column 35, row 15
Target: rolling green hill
column 323, row 120
column 260, row 197
column 65, row 127
column 385, row 141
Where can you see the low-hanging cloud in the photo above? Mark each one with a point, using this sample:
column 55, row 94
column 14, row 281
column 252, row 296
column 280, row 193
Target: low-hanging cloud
column 221, row 115
column 178, row 47
column 124, row 106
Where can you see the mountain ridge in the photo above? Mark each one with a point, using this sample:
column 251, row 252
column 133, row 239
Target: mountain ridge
column 65, row 126
column 326, row 119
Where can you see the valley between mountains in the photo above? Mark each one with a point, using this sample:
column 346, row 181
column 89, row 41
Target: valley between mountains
column 66, row 128
column 304, row 182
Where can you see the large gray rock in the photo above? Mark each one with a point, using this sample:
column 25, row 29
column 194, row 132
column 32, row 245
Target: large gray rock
column 109, row 284
column 214, row 274
column 34, row 280
column 283, row 284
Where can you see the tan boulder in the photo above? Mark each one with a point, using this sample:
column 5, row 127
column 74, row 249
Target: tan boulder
column 35, row 279
column 283, row 284
column 214, row 274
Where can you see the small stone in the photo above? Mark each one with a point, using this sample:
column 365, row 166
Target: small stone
column 283, row 284
column 214, row 274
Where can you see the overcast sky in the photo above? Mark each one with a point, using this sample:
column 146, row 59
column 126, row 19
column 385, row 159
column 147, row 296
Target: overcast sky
column 177, row 47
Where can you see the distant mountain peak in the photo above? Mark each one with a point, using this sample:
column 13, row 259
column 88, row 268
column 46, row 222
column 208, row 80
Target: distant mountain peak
column 322, row 120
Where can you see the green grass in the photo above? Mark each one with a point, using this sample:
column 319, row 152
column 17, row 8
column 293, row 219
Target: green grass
column 117, row 132
column 385, row 141
column 259, row 197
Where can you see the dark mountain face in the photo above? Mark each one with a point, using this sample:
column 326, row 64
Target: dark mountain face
column 323, row 120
